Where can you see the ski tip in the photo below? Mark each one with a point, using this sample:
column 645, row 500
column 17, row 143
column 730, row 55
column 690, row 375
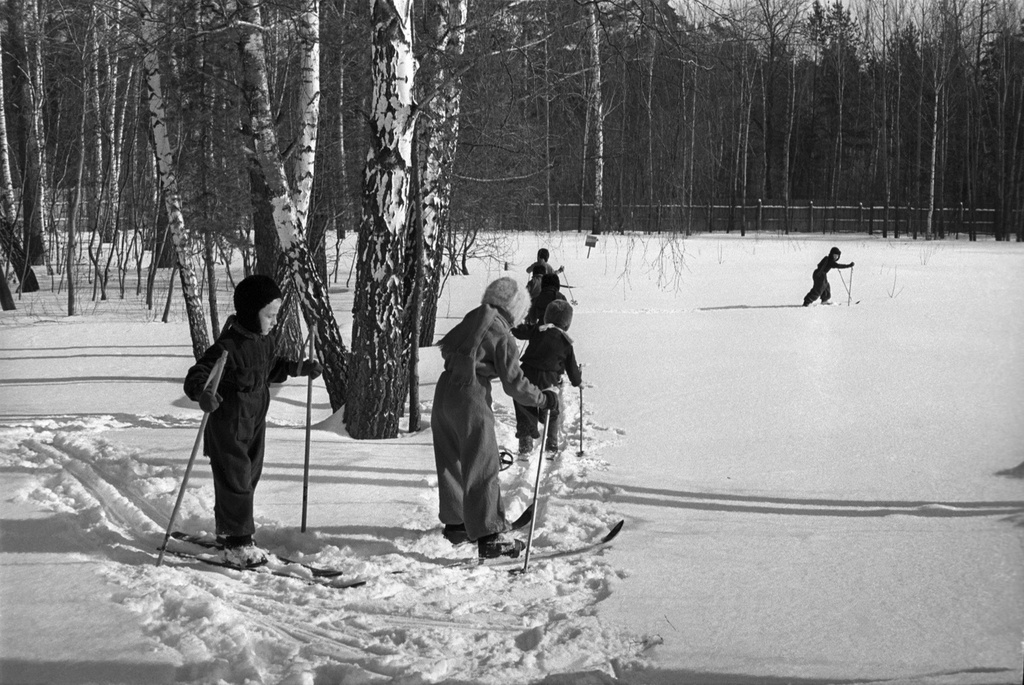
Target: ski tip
column 524, row 518
column 613, row 532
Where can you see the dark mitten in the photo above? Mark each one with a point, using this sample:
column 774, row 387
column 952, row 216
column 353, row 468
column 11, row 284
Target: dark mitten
column 308, row 367
column 550, row 400
column 209, row 401
column 312, row 368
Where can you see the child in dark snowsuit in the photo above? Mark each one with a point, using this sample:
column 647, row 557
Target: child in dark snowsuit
column 479, row 349
column 235, row 435
column 821, row 288
column 548, row 355
column 549, row 292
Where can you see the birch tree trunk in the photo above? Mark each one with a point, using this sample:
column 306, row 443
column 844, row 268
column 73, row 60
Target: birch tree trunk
column 597, row 103
column 340, row 196
column 7, row 207
column 168, row 181
column 10, row 242
column 28, row 87
column 297, row 264
column 448, row 30
column 379, row 365
column 308, row 27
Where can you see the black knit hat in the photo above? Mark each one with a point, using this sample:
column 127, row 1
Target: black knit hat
column 549, row 281
column 835, row 251
column 252, row 294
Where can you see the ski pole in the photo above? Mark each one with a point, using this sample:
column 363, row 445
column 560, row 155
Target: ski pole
column 309, row 421
column 580, row 453
column 213, row 380
column 536, row 491
column 841, row 278
column 849, row 291
column 572, row 296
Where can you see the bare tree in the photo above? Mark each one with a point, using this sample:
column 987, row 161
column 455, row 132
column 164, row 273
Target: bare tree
column 10, row 242
column 440, row 133
column 28, row 80
column 596, row 105
column 298, row 269
column 167, row 178
column 375, row 398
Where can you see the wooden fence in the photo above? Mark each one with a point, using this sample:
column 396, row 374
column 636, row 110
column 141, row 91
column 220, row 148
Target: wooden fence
column 797, row 218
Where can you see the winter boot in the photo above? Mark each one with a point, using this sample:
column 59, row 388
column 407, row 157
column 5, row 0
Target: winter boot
column 455, row 533
column 499, row 545
column 525, row 445
column 244, row 556
column 551, row 444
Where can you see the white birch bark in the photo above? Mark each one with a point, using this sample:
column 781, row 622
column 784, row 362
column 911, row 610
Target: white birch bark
column 597, row 103
column 309, row 109
column 6, row 180
column 168, row 180
column 378, row 358
column 297, row 261
column 442, row 135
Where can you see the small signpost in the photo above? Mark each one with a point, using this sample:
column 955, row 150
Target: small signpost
column 591, row 242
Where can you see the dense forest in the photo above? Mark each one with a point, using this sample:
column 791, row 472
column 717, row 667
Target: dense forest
column 206, row 132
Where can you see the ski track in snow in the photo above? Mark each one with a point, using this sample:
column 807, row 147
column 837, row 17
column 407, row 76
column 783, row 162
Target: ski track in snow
column 413, row 620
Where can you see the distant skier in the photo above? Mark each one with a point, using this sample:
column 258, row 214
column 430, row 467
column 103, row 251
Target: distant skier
column 548, row 355
column 479, row 349
column 543, row 259
column 821, row 287
column 235, row 435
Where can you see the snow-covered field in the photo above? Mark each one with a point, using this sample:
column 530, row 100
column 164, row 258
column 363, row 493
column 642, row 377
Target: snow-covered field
column 810, row 495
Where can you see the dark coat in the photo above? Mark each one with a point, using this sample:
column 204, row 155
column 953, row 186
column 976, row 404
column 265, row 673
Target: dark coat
column 234, row 438
column 548, row 294
column 827, row 264
column 548, row 355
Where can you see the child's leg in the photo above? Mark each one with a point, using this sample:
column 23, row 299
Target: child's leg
column 816, row 287
column 232, row 487
column 526, row 421
column 554, row 425
column 826, row 290
column 446, row 453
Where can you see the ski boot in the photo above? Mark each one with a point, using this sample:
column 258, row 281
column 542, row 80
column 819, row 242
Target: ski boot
column 499, row 545
column 455, row 533
column 244, row 556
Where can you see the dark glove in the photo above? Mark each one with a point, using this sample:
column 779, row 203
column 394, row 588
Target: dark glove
column 311, row 368
column 308, row 367
column 851, row 265
column 550, row 400
column 209, row 401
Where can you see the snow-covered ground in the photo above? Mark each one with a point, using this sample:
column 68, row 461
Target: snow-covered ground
column 810, row 495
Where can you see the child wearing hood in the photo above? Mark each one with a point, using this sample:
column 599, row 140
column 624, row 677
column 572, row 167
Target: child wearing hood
column 476, row 351
column 821, row 288
column 550, row 291
column 548, row 355
column 235, row 434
